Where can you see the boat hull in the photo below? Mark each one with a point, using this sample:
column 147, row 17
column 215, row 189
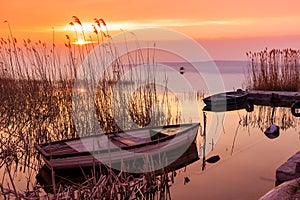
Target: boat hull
column 66, row 177
column 226, row 99
column 121, row 151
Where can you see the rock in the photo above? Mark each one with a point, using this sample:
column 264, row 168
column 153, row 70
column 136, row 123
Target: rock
column 272, row 132
column 289, row 190
column 289, row 170
column 298, row 167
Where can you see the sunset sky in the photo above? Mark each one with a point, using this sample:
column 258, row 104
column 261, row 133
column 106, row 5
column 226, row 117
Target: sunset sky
column 227, row 29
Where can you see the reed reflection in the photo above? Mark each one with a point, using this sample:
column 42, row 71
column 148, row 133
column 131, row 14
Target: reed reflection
column 264, row 116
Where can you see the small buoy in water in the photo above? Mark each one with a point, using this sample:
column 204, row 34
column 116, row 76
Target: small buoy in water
column 213, row 159
column 272, row 132
column 181, row 70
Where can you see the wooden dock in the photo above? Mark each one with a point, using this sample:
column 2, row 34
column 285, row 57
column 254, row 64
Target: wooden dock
column 261, row 98
column 291, row 168
column 273, row 98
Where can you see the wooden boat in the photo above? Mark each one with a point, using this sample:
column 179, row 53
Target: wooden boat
column 133, row 149
column 224, row 108
column 66, row 177
column 238, row 97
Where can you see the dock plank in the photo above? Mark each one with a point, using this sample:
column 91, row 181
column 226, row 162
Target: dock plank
column 273, row 98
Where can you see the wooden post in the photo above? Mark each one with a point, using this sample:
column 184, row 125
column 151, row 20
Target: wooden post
column 204, row 141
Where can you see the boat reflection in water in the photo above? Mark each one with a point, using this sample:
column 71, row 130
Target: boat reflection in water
column 231, row 107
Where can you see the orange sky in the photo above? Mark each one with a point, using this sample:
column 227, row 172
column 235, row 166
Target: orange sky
column 225, row 28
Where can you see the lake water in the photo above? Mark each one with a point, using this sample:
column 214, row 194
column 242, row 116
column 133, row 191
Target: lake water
column 249, row 159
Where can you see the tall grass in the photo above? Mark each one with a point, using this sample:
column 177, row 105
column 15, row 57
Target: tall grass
column 274, row 70
column 108, row 185
column 37, row 89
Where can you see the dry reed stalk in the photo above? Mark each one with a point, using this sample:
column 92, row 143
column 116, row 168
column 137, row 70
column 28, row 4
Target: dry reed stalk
column 274, row 70
column 36, row 104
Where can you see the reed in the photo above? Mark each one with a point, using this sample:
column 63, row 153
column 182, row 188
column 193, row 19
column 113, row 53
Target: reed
column 123, row 186
column 273, row 70
column 36, row 94
column 108, row 185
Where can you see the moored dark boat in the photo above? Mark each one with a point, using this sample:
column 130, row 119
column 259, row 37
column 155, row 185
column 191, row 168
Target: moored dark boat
column 238, row 97
column 224, row 108
column 153, row 147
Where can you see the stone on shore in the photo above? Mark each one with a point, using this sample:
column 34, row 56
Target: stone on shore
column 289, row 190
column 289, row 170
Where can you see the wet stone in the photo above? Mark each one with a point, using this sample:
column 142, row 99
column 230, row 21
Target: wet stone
column 289, row 170
column 298, row 167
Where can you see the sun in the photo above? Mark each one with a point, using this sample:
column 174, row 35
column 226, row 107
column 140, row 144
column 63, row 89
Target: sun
column 81, row 41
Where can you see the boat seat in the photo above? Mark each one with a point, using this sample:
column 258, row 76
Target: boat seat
column 123, row 140
column 127, row 141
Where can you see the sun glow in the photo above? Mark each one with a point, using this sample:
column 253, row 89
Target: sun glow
column 208, row 29
column 126, row 25
column 81, row 41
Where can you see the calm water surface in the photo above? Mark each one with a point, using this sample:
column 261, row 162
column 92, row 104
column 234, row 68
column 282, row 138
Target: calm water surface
column 248, row 158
